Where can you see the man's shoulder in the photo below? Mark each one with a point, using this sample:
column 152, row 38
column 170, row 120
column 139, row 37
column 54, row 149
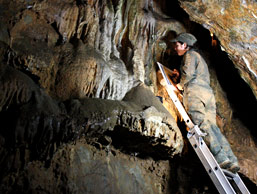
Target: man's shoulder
column 193, row 52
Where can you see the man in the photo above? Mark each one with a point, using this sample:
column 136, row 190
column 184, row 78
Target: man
column 199, row 101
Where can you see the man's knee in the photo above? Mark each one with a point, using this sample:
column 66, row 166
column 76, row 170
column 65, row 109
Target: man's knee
column 196, row 109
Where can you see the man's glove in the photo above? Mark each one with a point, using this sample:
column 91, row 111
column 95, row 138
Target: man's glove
column 180, row 88
column 163, row 82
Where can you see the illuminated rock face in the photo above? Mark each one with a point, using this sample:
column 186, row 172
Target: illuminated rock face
column 78, row 85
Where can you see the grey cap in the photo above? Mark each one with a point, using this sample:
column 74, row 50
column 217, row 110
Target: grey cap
column 185, row 37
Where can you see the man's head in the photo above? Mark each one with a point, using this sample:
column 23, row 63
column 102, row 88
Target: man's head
column 183, row 41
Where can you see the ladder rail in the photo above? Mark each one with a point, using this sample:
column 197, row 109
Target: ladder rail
column 210, row 164
column 170, row 89
column 237, row 180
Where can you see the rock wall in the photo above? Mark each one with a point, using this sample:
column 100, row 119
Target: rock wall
column 80, row 168
column 56, row 39
column 78, row 111
column 38, row 134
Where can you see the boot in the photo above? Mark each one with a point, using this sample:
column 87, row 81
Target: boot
column 234, row 167
column 223, row 160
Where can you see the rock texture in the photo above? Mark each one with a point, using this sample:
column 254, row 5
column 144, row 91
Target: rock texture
column 35, row 128
column 233, row 22
column 78, row 112
column 115, row 171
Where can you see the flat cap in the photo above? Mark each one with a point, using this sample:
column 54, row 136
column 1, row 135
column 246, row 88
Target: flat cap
column 185, row 37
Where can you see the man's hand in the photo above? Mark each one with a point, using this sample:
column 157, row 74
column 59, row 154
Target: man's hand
column 163, row 82
column 179, row 87
column 175, row 73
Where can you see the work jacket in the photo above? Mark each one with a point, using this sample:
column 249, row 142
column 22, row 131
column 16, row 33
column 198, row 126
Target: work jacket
column 194, row 71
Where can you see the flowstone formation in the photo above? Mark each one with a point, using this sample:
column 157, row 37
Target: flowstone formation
column 78, row 87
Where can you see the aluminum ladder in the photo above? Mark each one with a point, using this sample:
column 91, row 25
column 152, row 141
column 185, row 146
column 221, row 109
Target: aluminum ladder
column 226, row 182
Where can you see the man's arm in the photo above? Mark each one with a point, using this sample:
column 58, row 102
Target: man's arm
column 172, row 73
column 163, row 82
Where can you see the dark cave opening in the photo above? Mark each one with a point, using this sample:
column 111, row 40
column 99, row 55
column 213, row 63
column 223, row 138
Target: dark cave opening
column 239, row 94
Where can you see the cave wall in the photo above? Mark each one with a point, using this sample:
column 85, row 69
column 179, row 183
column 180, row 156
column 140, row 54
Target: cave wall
column 80, row 168
column 114, row 37
column 78, row 86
